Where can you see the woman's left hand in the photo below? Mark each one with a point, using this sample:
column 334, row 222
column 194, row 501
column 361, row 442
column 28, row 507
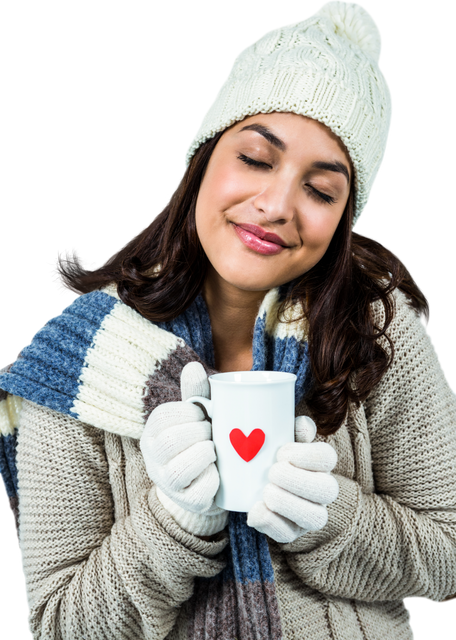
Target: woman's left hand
column 300, row 486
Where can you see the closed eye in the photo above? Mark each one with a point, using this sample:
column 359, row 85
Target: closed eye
column 251, row 162
column 314, row 192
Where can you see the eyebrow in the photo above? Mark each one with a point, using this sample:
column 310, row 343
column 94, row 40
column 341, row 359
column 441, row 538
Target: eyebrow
column 336, row 166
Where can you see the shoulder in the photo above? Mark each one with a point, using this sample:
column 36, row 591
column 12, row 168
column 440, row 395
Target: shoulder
column 406, row 328
column 417, row 359
column 405, row 341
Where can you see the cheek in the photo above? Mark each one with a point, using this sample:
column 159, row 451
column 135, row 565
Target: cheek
column 319, row 229
column 215, row 197
column 229, row 186
column 222, row 188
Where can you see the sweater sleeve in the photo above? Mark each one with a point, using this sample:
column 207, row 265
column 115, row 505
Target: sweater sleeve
column 400, row 539
column 94, row 570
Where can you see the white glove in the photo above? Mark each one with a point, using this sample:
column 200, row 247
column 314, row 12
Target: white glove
column 180, row 457
column 300, row 486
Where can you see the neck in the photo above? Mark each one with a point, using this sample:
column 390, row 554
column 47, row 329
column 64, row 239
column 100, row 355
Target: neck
column 232, row 312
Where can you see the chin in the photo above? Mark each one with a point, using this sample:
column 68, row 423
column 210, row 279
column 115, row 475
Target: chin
column 247, row 281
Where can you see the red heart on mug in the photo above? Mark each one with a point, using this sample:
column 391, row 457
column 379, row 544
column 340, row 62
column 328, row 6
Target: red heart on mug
column 247, row 446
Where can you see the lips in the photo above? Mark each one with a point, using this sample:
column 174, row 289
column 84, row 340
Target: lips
column 257, row 244
column 264, row 235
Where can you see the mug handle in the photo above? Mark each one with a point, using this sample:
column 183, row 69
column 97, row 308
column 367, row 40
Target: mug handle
column 207, row 404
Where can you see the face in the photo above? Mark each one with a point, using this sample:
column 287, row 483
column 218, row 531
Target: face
column 274, row 191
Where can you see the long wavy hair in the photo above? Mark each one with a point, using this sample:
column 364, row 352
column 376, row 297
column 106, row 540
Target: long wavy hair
column 346, row 356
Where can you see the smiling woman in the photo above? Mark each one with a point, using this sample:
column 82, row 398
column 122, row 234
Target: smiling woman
column 253, row 265
column 273, row 194
column 301, row 186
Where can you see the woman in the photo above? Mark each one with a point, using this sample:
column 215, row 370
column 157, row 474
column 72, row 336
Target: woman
column 118, row 529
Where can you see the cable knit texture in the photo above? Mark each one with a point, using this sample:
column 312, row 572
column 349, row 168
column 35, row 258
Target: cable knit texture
column 104, row 559
column 325, row 68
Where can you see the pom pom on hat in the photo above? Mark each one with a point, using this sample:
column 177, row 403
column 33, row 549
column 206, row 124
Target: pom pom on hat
column 354, row 23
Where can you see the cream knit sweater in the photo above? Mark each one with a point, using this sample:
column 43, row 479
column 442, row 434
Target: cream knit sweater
column 103, row 559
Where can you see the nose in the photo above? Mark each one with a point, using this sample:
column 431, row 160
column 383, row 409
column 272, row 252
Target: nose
column 277, row 200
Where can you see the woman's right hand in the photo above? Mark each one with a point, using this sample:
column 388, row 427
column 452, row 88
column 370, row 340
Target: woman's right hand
column 178, row 450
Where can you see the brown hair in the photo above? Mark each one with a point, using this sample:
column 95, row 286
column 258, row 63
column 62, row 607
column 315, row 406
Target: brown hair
column 346, row 358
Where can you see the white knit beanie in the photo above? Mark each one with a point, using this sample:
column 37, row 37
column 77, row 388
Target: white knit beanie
column 325, row 68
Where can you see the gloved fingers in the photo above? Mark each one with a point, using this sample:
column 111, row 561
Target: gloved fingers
column 170, row 414
column 214, row 510
column 199, row 495
column 306, row 514
column 194, row 381
column 321, row 488
column 174, row 441
column 184, row 468
column 314, row 456
column 305, row 429
column 271, row 524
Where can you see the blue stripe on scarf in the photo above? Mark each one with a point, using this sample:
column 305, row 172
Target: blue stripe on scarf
column 281, row 354
column 250, row 552
column 194, row 327
column 47, row 371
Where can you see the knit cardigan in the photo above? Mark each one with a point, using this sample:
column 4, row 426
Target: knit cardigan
column 103, row 558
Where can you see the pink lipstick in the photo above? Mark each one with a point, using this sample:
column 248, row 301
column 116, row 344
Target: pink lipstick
column 259, row 244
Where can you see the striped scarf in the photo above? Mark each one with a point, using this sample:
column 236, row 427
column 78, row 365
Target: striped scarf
column 104, row 364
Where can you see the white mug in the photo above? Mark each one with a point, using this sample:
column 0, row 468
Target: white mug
column 253, row 415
